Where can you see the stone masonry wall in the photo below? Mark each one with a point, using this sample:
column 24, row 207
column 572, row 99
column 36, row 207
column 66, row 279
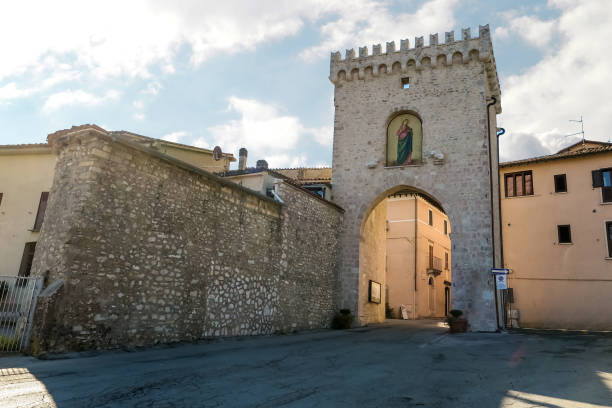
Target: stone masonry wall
column 152, row 250
column 449, row 87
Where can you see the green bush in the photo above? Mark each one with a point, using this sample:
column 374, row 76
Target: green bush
column 8, row 344
column 343, row 320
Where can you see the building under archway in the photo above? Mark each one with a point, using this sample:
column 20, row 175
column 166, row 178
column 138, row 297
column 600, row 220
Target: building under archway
column 405, row 252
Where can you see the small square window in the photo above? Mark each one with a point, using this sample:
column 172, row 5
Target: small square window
column 406, row 83
column 560, row 183
column 565, row 234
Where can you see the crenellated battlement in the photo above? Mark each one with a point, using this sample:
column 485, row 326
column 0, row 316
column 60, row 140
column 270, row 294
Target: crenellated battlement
column 434, row 55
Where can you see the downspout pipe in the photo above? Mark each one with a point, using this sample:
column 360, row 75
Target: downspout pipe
column 493, row 102
column 500, row 131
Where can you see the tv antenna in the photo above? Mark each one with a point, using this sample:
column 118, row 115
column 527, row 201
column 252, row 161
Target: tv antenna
column 581, row 129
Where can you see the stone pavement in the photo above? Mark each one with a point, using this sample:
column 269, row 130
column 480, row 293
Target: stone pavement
column 396, row 364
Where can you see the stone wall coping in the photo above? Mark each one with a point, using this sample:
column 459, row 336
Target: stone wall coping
column 315, row 196
column 123, row 140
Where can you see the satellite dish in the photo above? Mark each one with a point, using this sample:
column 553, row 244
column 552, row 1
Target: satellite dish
column 217, row 153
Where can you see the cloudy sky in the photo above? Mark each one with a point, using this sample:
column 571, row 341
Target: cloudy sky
column 254, row 73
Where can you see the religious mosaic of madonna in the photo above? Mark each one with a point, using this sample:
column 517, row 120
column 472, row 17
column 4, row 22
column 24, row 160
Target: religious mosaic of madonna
column 404, row 140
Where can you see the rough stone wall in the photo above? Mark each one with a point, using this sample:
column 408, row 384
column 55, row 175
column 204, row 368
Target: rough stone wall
column 152, row 250
column 449, row 93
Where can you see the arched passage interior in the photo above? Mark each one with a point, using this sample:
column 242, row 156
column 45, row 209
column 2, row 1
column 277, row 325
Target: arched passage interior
column 404, row 257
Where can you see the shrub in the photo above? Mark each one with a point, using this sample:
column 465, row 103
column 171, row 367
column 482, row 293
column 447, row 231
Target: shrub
column 343, row 320
column 8, row 344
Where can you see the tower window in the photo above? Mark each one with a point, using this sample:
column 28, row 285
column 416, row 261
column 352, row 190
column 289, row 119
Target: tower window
column 430, row 217
column 406, row 83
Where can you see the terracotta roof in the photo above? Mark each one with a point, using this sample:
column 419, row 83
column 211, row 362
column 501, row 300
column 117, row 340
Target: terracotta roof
column 153, row 140
column 586, row 143
column 563, row 154
column 307, row 175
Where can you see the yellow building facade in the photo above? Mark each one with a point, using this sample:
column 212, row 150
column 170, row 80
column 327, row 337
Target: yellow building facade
column 418, row 277
column 557, row 238
column 26, row 176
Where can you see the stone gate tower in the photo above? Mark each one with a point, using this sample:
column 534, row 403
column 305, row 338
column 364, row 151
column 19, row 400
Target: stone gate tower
column 417, row 119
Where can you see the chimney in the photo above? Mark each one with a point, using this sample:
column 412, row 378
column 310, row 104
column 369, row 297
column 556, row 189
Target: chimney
column 242, row 158
column 262, row 164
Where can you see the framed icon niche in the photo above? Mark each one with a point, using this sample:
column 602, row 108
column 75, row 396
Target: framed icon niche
column 374, row 292
column 404, row 140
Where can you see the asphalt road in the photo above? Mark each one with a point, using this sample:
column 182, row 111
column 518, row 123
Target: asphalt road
column 397, row 364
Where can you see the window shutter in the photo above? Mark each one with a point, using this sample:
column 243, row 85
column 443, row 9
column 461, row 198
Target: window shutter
column 27, row 258
column 42, row 207
column 597, row 178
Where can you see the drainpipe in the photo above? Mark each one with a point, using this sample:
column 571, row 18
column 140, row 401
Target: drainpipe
column 416, row 224
column 500, row 132
column 493, row 102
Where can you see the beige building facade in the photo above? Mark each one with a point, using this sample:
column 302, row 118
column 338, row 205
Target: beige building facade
column 418, row 269
column 26, row 177
column 557, row 238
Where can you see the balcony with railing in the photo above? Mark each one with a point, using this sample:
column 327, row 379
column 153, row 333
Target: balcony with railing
column 435, row 265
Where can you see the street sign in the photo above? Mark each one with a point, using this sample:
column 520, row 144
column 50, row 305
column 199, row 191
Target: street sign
column 501, row 282
column 500, row 271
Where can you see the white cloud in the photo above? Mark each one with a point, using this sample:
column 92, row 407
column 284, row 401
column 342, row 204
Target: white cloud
column 118, row 38
column 152, row 88
column 531, row 29
column 323, row 135
column 78, row 97
column 11, row 91
column 264, row 131
column 372, row 23
column 175, row 137
column 570, row 81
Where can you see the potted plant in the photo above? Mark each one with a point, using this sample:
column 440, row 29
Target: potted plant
column 457, row 323
column 343, row 320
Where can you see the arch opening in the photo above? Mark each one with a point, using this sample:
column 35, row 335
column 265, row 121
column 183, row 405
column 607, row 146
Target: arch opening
column 405, row 247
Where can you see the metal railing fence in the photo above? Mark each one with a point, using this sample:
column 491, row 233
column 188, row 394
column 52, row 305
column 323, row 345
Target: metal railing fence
column 17, row 303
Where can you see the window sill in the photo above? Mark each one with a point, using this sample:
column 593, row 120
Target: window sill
column 401, row 167
column 522, row 196
column 565, row 243
column 606, row 203
column 559, row 192
column 608, row 258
